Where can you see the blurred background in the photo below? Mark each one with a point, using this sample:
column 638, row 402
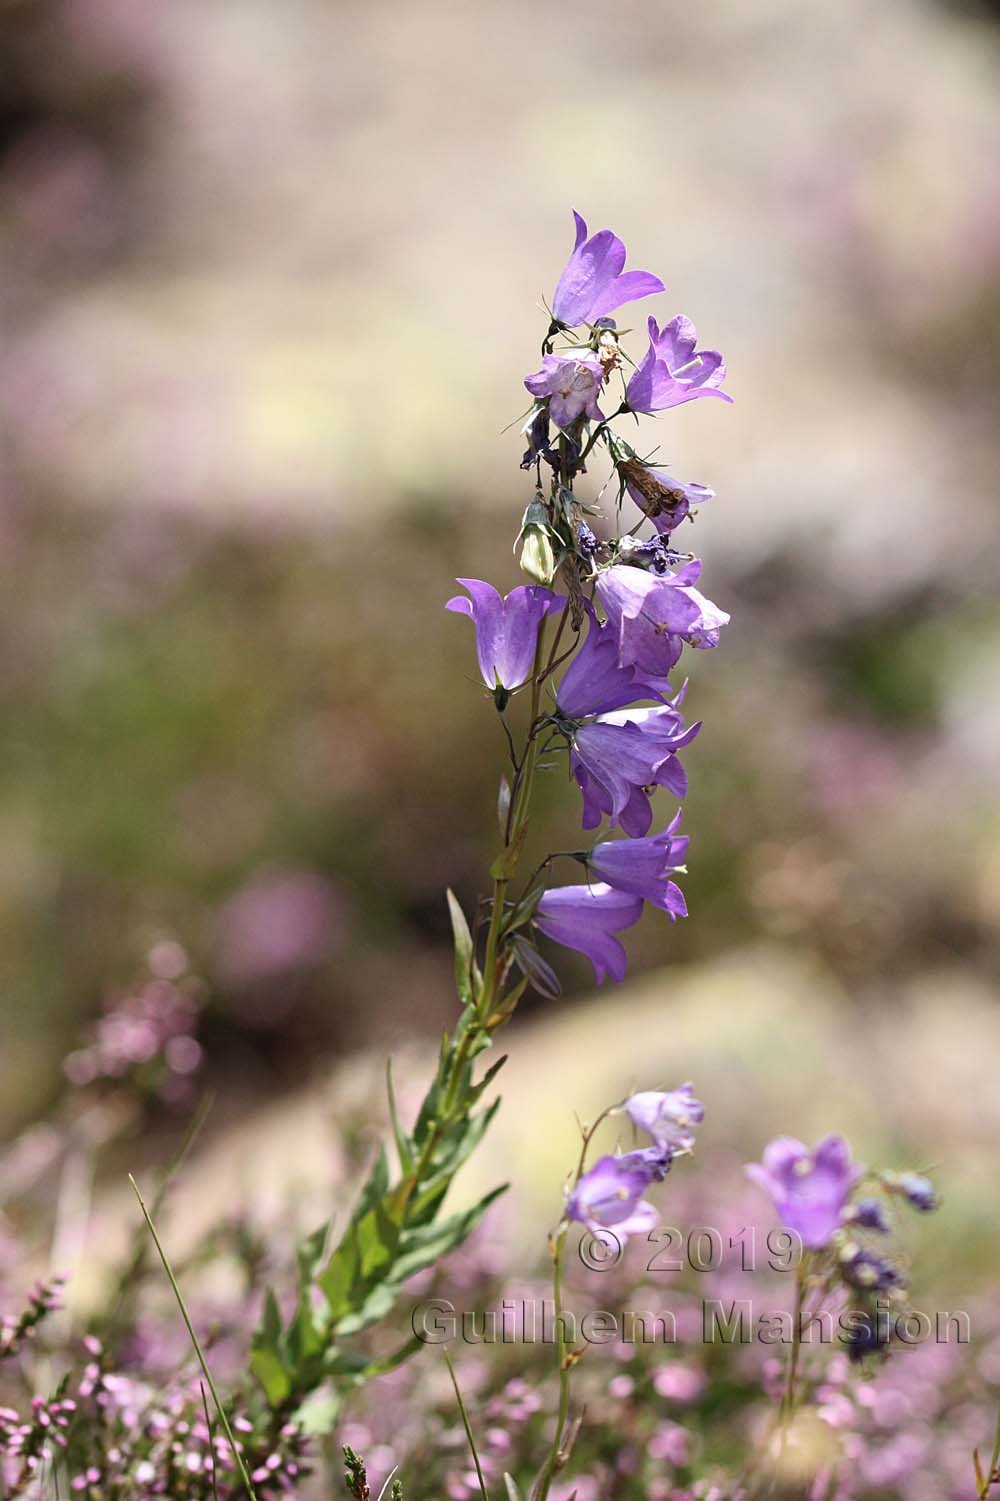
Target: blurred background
column 272, row 277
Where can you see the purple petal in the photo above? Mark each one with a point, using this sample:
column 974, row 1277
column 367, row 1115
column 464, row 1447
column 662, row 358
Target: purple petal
column 487, row 613
column 584, row 918
column 628, row 287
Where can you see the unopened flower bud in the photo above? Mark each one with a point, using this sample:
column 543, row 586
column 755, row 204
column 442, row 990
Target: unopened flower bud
column 868, row 1214
column 867, row 1270
column 915, row 1188
column 537, row 558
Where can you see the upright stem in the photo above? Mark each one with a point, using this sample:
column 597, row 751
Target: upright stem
column 552, row 1463
column 563, row 1356
column 788, row 1399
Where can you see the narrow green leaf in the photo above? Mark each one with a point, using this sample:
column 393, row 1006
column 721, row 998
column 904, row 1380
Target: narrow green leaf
column 473, row 1129
column 368, row 1307
column 419, row 1248
column 505, row 1008
column 378, row 1237
column 269, row 1370
column 309, row 1253
column 364, row 1368
column 376, row 1186
column 341, row 1272
column 505, row 864
column 196, row 1344
column 513, row 1494
column 403, row 1151
column 463, row 949
column 467, row 1426
column 476, row 1090
column 319, row 1412
column 503, row 805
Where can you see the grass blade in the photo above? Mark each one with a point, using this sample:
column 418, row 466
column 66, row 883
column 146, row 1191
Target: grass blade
column 467, row 1425
column 223, row 1419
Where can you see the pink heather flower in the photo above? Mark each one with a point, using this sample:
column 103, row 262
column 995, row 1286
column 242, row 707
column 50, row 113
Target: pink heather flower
column 571, row 385
column 673, row 370
column 809, row 1189
column 670, row 1442
column 277, row 923
column 506, row 628
column 679, row 1383
column 593, row 283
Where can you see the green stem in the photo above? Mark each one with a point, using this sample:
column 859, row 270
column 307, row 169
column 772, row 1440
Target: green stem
column 562, row 1417
column 562, row 1354
column 787, row 1409
column 223, row 1419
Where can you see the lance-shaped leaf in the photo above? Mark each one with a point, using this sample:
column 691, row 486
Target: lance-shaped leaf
column 421, row 1247
column 464, row 959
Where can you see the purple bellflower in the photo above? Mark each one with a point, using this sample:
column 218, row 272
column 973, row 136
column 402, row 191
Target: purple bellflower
column 673, row 370
column 618, row 757
column 668, row 1116
column 810, row 1189
column 595, row 682
column 593, row 282
column 506, row 628
column 704, row 634
column 642, row 867
column 572, row 386
column 654, row 614
column 665, row 500
column 586, row 918
column 609, row 1195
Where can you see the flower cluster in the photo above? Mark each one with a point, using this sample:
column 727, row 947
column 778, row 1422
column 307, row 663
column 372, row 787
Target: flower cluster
column 120, row 1440
column 608, row 1196
column 840, row 1213
column 629, row 604
column 17, row 1329
column 147, row 1036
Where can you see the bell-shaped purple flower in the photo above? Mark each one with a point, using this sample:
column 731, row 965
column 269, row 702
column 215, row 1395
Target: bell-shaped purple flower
column 617, row 757
column 595, row 682
column 810, row 1189
column 665, row 500
column 654, row 614
column 704, row 634
column 669, row 1116
column 609, row 1195
column 673, row 370
column 572, row 386
column 506, row 628
column 593, row 282
column 642, row 867
column 586, row 918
